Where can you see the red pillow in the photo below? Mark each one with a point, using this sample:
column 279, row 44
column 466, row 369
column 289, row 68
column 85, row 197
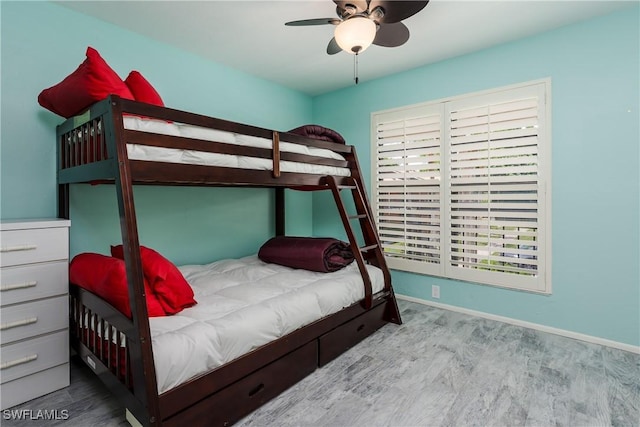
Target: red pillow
column 92, row 81
column 172, row 289
column 107, row 277
column 142, row 90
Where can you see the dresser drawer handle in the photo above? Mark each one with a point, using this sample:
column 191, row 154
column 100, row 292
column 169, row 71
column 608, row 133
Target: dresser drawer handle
column 18, row 248
column 21, row 361
column 14, row 286
column 17, row 323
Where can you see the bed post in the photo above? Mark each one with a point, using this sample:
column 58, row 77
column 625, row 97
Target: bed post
column 280, row 212
column 63, row 201
column 140, row 350
column 63, row 189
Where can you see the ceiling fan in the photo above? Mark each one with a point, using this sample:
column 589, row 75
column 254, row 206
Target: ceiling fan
column 361, row 23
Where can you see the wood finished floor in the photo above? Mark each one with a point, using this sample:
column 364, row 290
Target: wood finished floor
column 439, row 368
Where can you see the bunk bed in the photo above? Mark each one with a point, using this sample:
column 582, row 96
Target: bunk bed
column 126, row 143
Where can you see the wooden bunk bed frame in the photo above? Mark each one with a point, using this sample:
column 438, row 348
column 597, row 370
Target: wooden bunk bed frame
column 93, row 148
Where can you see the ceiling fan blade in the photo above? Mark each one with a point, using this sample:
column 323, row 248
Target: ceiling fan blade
column 396, row 11
column 317, row 21
column 332, row 47
column 361, row 5
column 391, row 35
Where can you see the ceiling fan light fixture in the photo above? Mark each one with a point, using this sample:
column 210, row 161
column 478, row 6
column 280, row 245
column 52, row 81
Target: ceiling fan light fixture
column 355, row 35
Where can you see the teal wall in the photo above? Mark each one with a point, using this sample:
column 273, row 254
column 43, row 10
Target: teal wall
column 594, row 70
column 593, row 66
column 41, row 44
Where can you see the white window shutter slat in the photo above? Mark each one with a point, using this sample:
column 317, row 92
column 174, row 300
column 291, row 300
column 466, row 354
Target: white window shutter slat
column 461, row 187
column 407, row 181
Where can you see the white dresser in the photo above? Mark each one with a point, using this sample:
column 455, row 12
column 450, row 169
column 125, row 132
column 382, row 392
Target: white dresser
column 34, row 307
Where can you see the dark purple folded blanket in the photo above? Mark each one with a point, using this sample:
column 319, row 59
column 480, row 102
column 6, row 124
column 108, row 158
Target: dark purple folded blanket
column 319, row 132
column 308, row 253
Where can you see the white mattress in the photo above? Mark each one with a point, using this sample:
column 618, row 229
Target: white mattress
column 243, row 304
column 175, row 155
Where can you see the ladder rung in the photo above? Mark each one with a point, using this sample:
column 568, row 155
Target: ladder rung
column 368, row 248
column 346, row 187
column 358, row 216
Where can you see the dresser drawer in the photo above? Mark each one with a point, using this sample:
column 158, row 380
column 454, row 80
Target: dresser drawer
column 33, row 281
column 34, row 245
column 26, row 357
column 34, row 318
column 34, row 385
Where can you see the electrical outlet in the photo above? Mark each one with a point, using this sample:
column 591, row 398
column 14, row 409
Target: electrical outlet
column 435, row 291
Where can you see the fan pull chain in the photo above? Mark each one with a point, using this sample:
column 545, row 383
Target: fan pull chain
column 355, row 67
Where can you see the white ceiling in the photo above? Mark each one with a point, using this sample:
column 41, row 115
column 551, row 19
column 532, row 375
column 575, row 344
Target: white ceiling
column 251, row 35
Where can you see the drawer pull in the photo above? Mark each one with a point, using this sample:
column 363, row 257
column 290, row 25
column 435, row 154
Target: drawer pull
column 14, row 286
column 256, row 390
column 18, row 248
column 17, row 323
column 21, row 361
column 361, row 327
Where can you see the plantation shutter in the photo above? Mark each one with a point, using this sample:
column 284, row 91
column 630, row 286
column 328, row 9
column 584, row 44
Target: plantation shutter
column 461, row 187
column 408, row 186
column 494, row 207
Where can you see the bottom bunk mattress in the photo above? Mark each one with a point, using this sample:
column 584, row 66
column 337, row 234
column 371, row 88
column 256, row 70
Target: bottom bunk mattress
column 242, row 305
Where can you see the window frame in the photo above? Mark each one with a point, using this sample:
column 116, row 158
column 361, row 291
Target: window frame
column 541, row 90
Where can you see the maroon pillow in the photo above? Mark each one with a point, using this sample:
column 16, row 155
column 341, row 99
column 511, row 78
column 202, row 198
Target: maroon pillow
column 319, row 132
column 92, row 81
column 309, row 253
column 106, row 277
column 173, row 291
column 142, row 90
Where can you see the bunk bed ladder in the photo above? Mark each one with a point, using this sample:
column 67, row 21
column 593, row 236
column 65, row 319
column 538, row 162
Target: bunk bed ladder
column 371, row 252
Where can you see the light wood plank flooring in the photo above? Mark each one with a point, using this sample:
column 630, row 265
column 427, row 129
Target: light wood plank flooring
column 439, row 368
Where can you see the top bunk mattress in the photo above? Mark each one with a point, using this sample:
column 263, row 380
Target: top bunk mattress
column 242, row 305
column 176, row 155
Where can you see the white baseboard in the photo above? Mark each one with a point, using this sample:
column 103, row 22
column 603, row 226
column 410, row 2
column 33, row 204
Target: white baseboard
column 530, row 325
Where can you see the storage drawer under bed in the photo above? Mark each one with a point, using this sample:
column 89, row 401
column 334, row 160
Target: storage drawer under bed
column 235, row 401
column 337, row 341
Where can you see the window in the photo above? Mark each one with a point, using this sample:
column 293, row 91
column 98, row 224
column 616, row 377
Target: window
column 462, row 187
